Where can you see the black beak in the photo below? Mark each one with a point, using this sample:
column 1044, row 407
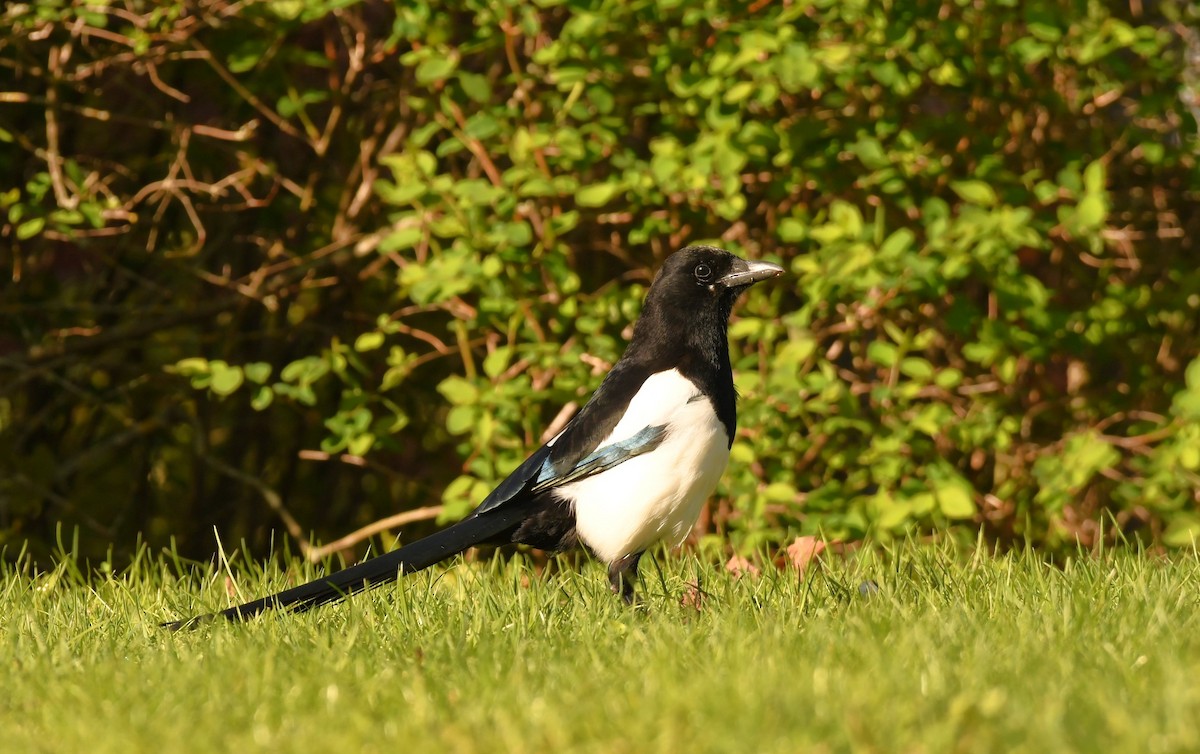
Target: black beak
column 746, row 273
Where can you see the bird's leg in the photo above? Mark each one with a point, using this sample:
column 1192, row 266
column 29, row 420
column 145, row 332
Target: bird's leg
column 621, row 575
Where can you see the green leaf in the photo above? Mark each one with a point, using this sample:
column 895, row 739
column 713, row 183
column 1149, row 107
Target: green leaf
column 746, row 328
column 458, row 391
column 475, row 86
column 897, row 243
column 404, row 238
column 482, row 126
column 292, row 104
column 597, row 194
column 846, row 217
column 517, row 234
column 780, row 492
column 917, row 368
column 368, row 341
column 948, row 378
column 792, row 230
column 1183, row 531
column 460, row 496
column 192, row 366
column 922, row 503
column 882, row 353
column 497, row 361
column 93, row 212
column 1189, row 456
column 225, row 379
column 889, row 512
column 286, row 9
column 400, row 194
column 257, row 371
column 30, row 228
column 434, row 69
column 601, row 98
column 738, row 92
column 742, row 453
column 92, row 17
column 1094, row 178
column 1086, row 454
column 263, row 397
column 975, row 192
column 244, row 59
column 305, row 371
column 460, row 420
column 361, row 444
column 932, row 420
column 1091, row 211
column 1152, row 152
column 954, row 500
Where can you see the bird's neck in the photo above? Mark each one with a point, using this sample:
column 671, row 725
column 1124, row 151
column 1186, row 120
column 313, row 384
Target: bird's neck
column 695, row 343
column 669, row 334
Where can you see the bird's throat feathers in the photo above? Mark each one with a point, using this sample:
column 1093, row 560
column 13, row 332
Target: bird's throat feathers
column 668, row 333
column 693, row 341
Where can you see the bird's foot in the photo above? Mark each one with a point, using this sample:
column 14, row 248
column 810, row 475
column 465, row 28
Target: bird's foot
column 621, row 576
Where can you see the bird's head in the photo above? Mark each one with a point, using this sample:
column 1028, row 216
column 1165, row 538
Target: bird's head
column 705, row 278
column 688, row 305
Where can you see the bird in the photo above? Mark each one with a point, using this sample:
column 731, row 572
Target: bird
column 631, row 469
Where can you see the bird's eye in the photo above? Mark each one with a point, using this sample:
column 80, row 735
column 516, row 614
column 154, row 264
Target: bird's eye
column 703, row 272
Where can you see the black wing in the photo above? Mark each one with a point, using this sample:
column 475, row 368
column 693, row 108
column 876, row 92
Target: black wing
column 576, row 453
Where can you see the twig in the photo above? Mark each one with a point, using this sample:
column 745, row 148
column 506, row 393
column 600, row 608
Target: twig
column 428, row 337
column 560, row 420
column 164, row 87
column 475, row 145
column 270, row 496
column 316, row 554
column 247, row 95
column 53, row 156
column 1140, row 442
column 510, row 31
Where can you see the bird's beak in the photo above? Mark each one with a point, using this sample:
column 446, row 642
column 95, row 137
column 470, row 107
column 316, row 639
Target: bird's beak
column 748, row 272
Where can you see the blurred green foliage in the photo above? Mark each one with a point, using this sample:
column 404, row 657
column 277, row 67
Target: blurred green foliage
column 326, row 260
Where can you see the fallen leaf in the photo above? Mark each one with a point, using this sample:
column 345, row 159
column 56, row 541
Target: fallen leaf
column 739, row 566
column 803, row 551
column 693, row 596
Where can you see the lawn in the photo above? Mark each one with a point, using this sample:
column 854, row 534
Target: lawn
column 955, row 651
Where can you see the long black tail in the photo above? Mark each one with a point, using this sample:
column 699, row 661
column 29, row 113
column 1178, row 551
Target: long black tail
column 477, row 529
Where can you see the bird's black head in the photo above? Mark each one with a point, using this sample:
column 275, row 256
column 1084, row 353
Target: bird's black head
column 683, row 324
column 705, row 278
column 692, row 295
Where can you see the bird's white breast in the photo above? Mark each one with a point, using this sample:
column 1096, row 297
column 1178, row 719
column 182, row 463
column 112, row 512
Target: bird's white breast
column 655, row 496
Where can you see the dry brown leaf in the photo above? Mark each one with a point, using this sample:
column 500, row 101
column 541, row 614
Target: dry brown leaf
column 693, row 596
column 803, row 551
column 739, row 566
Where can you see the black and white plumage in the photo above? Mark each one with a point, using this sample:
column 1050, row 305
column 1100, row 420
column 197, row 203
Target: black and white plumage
column 631, row 469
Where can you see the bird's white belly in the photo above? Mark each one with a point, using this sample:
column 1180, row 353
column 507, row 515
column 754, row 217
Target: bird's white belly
column 655, row 496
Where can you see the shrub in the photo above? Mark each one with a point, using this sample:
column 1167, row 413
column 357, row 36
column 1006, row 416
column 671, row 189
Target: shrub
column 387, row 243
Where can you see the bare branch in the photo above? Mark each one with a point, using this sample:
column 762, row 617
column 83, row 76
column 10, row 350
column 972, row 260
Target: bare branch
column 316, row 554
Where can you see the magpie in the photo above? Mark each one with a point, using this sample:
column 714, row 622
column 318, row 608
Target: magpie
column 631, row 469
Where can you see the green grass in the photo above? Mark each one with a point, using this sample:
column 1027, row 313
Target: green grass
column 955, row 652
